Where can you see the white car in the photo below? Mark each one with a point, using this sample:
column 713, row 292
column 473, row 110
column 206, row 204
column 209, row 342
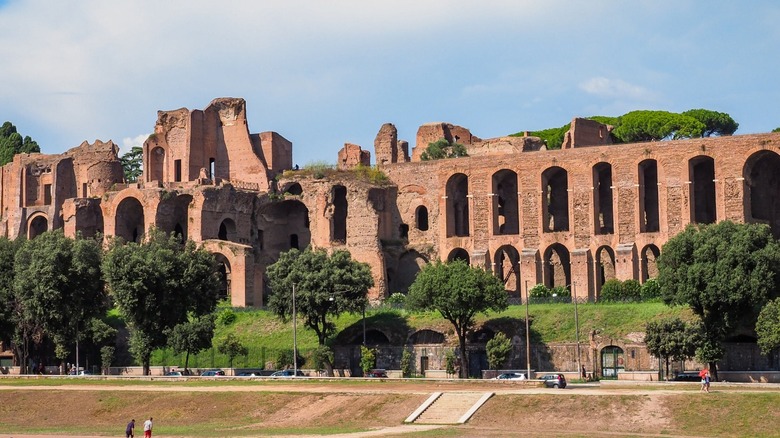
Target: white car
column 510, row 376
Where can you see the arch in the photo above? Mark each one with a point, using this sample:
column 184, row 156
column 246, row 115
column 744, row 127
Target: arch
column 507, row 268
column 701, row 172
column 294, row 189
column 480, row 336
column 602, row 199
column 227, row 230
column 555, row 199
column 506, row 217
column 648, row 196
column 605, row 266
column 649, row 256
column 761, row 174
column 409, row 264
column 426, row 337
column 156, row 164
column 340, row 211
column 225, row 272
column 458, row 205
column 130, row 224
column 421, row 218
column 172, row 215
column 375, row 337
column 37, row 225
column 612, row 361
column 459, row 254
column 557, row 268
column 282, row 226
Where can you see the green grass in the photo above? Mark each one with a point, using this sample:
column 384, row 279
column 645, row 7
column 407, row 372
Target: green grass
column 265, row 335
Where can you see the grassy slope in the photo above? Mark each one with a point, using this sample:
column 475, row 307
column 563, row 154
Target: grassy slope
column 264, row 334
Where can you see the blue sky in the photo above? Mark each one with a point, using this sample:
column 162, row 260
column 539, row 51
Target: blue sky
column 325, row 73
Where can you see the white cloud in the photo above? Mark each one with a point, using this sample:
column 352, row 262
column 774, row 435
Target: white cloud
column 129, row 142
column 616, row 89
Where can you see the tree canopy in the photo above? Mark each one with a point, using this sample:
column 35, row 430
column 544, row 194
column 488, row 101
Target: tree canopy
column 725, row 272
column 191, row 336
column 325, row 286
column 58, row 284
column 132, row 163
column 715, row 123
column 12, row 143
column 443, row 149
column 158, row 284
column 671, row 339
column 457, row 291
column 768, row 327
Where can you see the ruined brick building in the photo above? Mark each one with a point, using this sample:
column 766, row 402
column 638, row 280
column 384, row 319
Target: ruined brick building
column 573, row 217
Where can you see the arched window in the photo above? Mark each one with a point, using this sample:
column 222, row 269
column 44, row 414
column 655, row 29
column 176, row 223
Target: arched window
column 506, row 216
column 555, row 199
column 421, row 218
column 458, row 205
column 648, row 196
column 702, row 176
column 602, row 199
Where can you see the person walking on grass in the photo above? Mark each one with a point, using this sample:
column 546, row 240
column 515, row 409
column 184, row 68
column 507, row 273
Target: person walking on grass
column 148, row 428
column 130, row 430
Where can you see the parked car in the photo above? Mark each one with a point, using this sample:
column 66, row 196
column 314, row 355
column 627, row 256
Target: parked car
column 554, row 380
column 692, row 376
column 377, row 373
column 212, row 373
column 247, row 374
column 510, row 376
column 288, row 373
column 174, row 374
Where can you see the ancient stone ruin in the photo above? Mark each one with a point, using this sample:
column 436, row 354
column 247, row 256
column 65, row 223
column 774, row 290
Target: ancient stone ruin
column 573, row 217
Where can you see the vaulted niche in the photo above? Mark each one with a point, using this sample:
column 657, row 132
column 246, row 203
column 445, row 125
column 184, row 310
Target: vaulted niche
column 38, row 226
column 409, row 264
column 602, row 199
column 171, row 215
column 421, row 218
column 284, row 225
column 506, row 218
column 459, row 254
column 555, row 199
column 702, row 176
column 156, row 164
column 339, row 219
column 648, row 196
column 227, row 230
column 224, row 271
column 762, row 189
column 605, row 266
column 507, row 268
column 458, row 205
column 130, row 220
column 557, row 269
column 648, row 259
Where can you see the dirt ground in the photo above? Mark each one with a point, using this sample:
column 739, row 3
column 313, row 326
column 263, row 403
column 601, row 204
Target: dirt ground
column 337, row 408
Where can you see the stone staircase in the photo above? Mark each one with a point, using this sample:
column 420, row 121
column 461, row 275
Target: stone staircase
column 449, row 407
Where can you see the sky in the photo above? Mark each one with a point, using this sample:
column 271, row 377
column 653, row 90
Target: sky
column 325, row 73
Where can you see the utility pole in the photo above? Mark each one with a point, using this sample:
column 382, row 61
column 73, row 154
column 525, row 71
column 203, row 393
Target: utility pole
column 527, row 335
column 295, row 337
column 577, row 328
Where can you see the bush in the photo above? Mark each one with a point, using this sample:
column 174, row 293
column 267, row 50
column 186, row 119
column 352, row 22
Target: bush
column 396, row 300
column 632, row 290
column 498, row 350
column 367, row 359
column 560, row 291
column 611, row 291
column 285, row 359
column 651, row 291
column 226, row 317
column 449, row 362
column 321, row 356
column 540, row 291
column 407, row 366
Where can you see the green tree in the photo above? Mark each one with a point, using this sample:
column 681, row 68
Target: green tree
column 768, row 327
column 106, row 357
column 407, row 364
column 8, row 323
column 367, row 359
column 325, row 287
column 59, row 284
column 322, row 356
column 458, row 292
column 232, row 347
column 158, row 284
column 776, row 129
column 191, row 337
column 132, row 163
column 724, row 272
column 671, row 339
column 12, row 143
column 656, row 125
column 449, row 362
column 715, row 123
column 498, row 350
column 651, row 291
column 441, row 149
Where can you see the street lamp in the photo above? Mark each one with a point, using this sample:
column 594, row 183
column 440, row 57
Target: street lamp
column 576, row 326
column 527, row 336
column 295, row 336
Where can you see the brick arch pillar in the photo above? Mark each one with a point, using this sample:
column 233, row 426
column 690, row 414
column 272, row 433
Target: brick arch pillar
column 530, row 269
column 581, row 261
column 626, row 262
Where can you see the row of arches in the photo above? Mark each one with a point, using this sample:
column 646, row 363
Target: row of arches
column 761, row 188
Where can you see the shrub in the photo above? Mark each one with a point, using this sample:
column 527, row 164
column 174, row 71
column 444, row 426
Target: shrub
column 498, row 350
column 560, row 291
column 611, row 290
column 321, row 356
column 540, row 291
column 449, row 362
column 226, row 317
column 406, row 363
column 284, row 359
column 367, row 359
column 651, row 291
column 396, row 300
column 632, row 290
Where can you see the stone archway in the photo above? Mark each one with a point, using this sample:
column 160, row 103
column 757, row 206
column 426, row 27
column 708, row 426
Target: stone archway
column 507, row 268
column 761, row 174
column 459, row 254
column 38, row 225
column 130, row 224
column 458, row 205
column 557, row 266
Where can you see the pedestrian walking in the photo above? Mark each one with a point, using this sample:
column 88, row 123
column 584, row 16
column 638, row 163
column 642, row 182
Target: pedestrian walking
column 148, row 428
column 130, row 429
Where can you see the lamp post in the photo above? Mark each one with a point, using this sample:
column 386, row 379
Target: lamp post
column 527, row 335
column 295, row 336
column 576, row 327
